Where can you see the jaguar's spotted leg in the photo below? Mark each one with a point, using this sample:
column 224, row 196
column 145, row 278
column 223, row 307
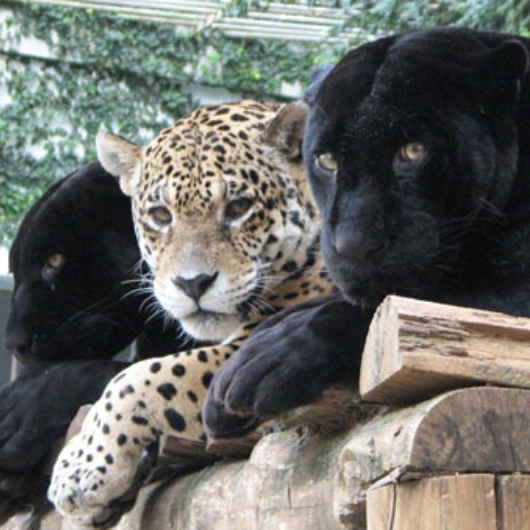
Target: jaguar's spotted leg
column 103, row 467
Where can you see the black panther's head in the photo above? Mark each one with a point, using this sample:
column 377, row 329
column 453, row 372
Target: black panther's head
column 71, row 256
column 411, row 144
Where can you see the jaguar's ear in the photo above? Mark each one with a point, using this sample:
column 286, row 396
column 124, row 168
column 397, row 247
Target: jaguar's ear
column 120, row 158
column 286, row 130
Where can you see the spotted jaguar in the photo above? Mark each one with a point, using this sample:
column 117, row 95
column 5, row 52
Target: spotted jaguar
column 227, row 225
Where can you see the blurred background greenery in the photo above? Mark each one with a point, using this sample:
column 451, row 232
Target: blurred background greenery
column 86, row 69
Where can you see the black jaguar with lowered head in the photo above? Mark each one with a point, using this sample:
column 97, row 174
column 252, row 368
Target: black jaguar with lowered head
column 418, row 153
column 78, row 300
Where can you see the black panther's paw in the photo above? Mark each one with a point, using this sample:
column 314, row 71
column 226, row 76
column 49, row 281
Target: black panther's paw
column 286, row 365
column 220, row 423
column 36, row 409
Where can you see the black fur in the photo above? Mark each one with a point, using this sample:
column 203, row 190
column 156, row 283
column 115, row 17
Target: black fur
column 82, row 312
column 66, row 326
column 453, row 226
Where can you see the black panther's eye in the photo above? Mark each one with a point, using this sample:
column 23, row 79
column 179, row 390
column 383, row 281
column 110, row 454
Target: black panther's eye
column 53, row 264
column 55, row 261
column 237, row 208
column 413, row 152
column 160, row 215
column 327, row 162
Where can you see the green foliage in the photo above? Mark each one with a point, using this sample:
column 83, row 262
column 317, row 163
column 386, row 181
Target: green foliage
column 512, row 16
column 106, row 71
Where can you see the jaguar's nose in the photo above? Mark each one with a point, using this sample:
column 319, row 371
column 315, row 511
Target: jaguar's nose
column 195, row 287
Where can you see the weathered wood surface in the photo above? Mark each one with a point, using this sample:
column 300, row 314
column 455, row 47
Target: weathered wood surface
column 416, row 349
column 460, row 502
column 481, row 429
column 312, row 481
column 513, row 502
column 453, row 502
column 286, row 483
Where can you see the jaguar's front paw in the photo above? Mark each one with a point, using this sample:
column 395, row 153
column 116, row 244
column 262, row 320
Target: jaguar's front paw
column 93, row 484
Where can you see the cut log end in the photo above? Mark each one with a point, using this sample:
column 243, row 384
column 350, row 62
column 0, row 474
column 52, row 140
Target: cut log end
column 416, row 349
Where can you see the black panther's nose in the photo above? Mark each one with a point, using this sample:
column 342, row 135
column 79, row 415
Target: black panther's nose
column 195, row 287
column 18, row 341
column 357, row 227
column 358, row 245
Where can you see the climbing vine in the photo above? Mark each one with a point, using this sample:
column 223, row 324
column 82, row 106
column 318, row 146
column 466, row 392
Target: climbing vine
column 134, row 77
column 102, row 70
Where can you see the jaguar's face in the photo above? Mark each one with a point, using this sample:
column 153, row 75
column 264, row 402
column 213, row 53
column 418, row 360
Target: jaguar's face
column 219, row 215
column 211, row 242
column 405, row 154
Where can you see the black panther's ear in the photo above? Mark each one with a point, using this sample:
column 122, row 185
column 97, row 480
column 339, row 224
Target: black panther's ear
column 317, row 75
column 509, row 61
column 286, row 130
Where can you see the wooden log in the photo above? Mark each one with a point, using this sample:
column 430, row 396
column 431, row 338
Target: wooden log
column 463, row 502
column 473, row 430
column 416, row 349
column 295, row 480
column 513, row 508
column 286, row 483
column 459, row 502
column 480, row 429
column 380, row 507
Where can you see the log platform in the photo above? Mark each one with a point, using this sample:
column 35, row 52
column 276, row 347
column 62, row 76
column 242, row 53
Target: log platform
column 446, row 446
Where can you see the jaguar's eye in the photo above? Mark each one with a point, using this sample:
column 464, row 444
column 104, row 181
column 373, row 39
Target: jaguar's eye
column 327, row 162
column 55, row 261
column 237, row 208
column 160, row 215
column 413, row 152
